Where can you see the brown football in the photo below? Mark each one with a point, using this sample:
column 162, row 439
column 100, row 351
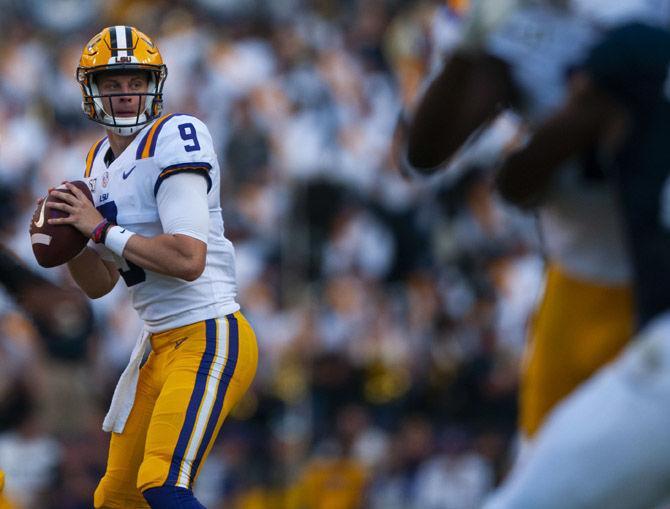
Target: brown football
column 56, row 244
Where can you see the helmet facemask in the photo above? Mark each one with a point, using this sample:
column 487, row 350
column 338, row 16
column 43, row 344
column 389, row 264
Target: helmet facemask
column 148, row 109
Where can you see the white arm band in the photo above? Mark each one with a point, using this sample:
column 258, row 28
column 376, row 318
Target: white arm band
column 182, row 205
column 116, row 239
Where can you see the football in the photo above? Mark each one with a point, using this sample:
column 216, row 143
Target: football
column 56, row 244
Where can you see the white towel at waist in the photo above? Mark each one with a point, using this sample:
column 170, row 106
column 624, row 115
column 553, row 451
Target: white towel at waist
column 124, row 393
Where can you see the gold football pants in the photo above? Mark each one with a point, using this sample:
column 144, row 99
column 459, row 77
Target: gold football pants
column 4, row 503
column 193, row 377
column 579, row 327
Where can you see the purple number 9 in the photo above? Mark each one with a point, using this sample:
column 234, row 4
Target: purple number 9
column 187, row 132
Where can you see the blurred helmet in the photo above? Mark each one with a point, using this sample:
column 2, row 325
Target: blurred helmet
column 458, row 6
column 121, row 49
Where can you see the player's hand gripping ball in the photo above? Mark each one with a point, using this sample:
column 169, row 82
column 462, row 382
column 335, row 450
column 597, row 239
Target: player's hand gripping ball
column 56, row 244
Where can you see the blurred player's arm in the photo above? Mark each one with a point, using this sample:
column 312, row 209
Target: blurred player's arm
column 29, row 288
column 470, row 91
column 61, row 314
column 589, row 116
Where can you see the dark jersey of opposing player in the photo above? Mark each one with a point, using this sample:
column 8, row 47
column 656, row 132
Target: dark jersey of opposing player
column 632, row 64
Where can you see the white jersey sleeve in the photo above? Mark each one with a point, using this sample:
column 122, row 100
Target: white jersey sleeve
column 184, row 145
column 182, row 206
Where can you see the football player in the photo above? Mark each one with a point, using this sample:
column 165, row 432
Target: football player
column 514, row 55
column 156, row 222
column 607, row 444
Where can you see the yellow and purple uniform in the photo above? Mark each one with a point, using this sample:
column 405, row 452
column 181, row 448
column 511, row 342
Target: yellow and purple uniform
column 203, row 351
column 165, row 415
column 193, row 376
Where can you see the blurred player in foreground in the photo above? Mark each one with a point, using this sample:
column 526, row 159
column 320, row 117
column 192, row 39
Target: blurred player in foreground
column 157, row 221
column 607, row 445
column 4, row 504
column 514, row 55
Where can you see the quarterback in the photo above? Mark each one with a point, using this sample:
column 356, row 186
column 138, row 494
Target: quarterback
column 156, row 222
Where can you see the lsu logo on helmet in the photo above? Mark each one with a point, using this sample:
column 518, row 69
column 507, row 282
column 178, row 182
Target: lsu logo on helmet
column 121, row 49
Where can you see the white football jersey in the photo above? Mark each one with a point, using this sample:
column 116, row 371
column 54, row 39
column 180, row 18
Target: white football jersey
column 125, row 192
column 581, row 227
column 533, row 40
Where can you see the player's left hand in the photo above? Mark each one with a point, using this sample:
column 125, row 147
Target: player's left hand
column 81, row 212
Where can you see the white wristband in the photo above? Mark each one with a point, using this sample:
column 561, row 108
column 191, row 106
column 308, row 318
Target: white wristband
column 117, row 238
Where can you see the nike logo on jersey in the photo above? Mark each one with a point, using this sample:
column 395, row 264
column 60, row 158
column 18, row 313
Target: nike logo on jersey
column 40, row 219
column 178, row 343
column 126, row 175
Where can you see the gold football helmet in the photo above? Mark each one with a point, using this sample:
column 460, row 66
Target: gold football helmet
column 121, row 48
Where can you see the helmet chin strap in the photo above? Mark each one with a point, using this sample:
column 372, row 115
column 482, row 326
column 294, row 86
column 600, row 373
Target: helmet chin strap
column 125, row 131
column 124, row 126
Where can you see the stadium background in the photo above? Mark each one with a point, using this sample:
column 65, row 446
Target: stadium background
column 390, row 313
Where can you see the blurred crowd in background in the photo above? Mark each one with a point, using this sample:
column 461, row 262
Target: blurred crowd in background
column 390, row 312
